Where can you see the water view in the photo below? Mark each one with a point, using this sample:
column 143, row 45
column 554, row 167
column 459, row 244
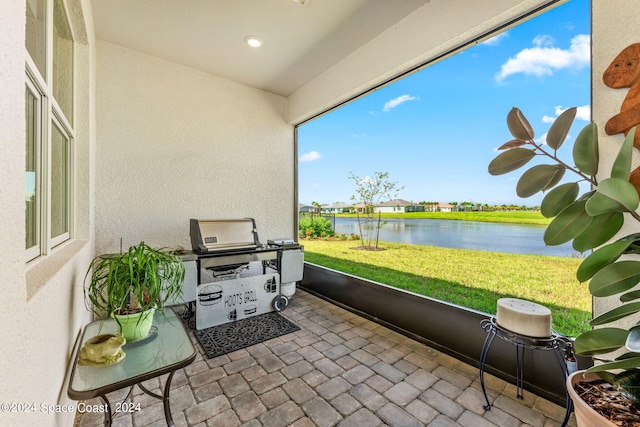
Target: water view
column 486, row 236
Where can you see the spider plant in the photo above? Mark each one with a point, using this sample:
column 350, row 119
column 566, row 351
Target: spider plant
column 134, row 281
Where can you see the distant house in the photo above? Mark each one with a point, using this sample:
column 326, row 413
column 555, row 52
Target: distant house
column 308, row 209
column 336, row 208
column 398, row 206
column 359, row 207
column 430, row 206
column 446, row 207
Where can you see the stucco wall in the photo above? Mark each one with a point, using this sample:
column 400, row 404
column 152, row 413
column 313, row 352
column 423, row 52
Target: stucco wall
column 175, row 143
column 613, row 29
column 43, row 310
column 12, row 120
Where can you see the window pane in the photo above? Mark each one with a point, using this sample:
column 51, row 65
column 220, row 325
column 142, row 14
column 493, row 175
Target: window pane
column 32, row 195
column 59, row 182
column 35, row 34
column 62, row 61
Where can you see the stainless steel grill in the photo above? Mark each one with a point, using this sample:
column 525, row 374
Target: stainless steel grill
column 237, row 276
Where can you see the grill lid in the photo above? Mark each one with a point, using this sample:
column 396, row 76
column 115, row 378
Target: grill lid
column 209, row 236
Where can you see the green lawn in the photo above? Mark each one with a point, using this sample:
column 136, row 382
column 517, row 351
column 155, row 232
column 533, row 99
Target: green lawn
column 470, row 278
column 518, row 217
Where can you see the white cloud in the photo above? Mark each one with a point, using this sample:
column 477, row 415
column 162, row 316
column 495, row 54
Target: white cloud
column 495, row 40
column 542, row 139
column 543, row 40
column 544, row 58
column 358, row 135
column 397, row 101
column 311, row 156
column 582, row 113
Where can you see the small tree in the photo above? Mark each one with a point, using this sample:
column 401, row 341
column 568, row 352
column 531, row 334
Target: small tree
column 370, row 191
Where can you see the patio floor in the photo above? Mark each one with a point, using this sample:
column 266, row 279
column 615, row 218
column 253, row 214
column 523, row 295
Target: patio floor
column 339, row 369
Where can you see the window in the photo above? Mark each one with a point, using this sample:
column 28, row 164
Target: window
column 49, row 103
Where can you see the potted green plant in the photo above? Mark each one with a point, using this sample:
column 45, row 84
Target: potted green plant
column 589, row 220
column 130, row 286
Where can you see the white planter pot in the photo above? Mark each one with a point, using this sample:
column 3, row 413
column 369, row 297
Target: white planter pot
column 585, row 415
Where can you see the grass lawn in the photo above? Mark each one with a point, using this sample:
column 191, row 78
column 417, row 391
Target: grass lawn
column 470, row 278
column 515, row 217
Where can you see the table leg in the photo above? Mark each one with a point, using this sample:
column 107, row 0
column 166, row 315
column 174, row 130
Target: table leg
column 107, row 415
column 519, row 372
column 165, row 401
column 483, row 358
column 565, row 372
column 164, row 398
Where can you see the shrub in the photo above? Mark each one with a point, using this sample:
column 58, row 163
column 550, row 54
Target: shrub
column 315, row 227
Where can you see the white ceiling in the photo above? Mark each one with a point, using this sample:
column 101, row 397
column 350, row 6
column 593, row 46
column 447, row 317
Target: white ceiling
column 300, row 42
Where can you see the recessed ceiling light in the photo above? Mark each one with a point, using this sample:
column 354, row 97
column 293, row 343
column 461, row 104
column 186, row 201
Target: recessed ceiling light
column 253, row 41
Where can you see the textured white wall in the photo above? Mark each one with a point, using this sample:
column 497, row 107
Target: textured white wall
column 42, row 308
column 12, row 131
column 175, row 144
column 613, row 29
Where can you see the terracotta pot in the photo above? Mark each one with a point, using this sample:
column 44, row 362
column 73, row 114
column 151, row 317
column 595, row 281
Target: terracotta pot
column 585, row 415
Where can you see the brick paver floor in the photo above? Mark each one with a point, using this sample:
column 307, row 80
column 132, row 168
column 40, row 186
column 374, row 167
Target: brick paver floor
column 339, row 370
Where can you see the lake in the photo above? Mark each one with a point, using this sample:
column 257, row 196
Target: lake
column 486, row 236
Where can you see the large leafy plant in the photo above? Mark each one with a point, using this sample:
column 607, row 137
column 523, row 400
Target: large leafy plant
column 589, row 220
column 133, row 281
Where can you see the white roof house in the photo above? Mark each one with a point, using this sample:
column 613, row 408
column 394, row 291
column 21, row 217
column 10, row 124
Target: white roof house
column 337, row 208
column 157, row 111
column 446, row 207
column 393, row 206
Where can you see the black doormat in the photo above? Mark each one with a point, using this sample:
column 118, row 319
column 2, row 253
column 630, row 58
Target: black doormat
column 232, row 336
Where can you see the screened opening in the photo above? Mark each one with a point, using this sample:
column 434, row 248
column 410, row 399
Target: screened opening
column 449, row 229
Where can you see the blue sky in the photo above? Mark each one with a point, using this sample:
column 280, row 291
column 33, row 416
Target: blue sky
column 437, row 130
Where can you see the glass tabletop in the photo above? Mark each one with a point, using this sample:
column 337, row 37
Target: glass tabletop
column 166, row 349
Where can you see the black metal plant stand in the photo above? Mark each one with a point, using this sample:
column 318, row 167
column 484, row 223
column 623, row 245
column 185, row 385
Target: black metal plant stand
column 556, row 343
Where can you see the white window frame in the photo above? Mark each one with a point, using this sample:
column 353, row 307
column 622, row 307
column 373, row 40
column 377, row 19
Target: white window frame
column 34, row 251
column 63, row 237
column 49, row 112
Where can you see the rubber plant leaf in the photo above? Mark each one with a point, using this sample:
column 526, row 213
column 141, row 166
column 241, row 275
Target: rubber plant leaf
column 622, row 165
column 617, row 313
column 613, row 195
column 585, row 150
column 615, row 278
column 634, row 238
column 633, row 339
column 537, row 179
column 567, row 225
column 510, row 160
column 600, row 341
column 600, row 231
column 629, row 354
column 519, row 125
column 629, row 380
column 630, row 296
column 618, row 364
column 560, row 128
column 512, row 144
column 586, row 196
column 600, row 258
column 555, row 179
column 559, row 198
